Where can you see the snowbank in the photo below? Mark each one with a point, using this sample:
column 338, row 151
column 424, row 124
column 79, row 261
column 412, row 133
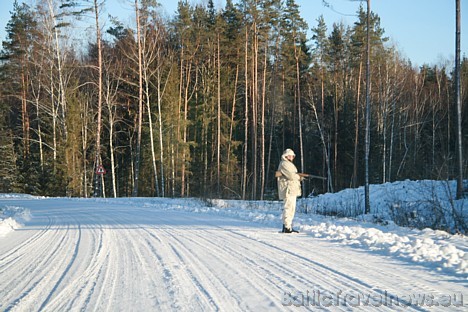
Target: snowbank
column 432, row 248
column 7, row 225
column 418, row 204
column 10, row 216
column 438, row 250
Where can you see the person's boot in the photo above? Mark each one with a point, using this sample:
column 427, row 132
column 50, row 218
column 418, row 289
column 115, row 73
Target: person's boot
column 289, row 230
column 284, row 229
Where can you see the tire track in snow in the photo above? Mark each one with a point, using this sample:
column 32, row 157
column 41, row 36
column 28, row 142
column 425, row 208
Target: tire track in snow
column 141, row 262
column 57, row 270
column 101, row 270
column 162, row 251
column 377, row 276
column 226, row 257
column 11, row 257
column 172, row 265
column 279, row 275
column 66, row 271
column 105, row 280
column 150, row 259
column 253, row 252
column 90, row 258
column 268, row 278
column 110, row 276
column 42, row 271
column 373, row 281
column 184, row 265
column 321, row 273
column 22, row 282
column 347, row 281
column 205, row 297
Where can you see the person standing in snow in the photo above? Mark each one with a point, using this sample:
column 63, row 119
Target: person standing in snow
column 289, row 188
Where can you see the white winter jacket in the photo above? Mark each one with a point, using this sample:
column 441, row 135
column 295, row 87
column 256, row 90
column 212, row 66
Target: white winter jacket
column 289, row 183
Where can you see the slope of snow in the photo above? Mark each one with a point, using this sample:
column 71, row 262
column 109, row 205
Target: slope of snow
column 11, row 216
column 141, row 254
column 7, row 225
column 436, row 249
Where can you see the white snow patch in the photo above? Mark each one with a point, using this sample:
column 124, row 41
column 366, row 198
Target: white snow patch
column 433, row 248
column 11, row 217
column 7, row 225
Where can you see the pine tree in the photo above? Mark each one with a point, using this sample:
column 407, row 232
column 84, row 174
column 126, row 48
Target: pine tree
column 15, row 56
column 320, row 73
column 295, row 37
column 8, row 169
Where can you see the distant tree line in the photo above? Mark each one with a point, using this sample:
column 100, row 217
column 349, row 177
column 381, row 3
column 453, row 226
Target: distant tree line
column 203, row 104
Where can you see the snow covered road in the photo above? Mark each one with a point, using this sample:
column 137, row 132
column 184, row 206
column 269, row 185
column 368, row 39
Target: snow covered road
column 123, row 255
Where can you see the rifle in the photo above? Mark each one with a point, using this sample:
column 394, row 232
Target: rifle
column 302, row 175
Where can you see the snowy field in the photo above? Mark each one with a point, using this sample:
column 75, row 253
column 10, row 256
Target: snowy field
column 155, row 254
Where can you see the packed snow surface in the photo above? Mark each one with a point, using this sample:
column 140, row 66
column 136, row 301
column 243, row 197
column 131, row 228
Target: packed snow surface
column 156, row 254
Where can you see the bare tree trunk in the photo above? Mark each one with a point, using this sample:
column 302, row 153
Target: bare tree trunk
column 62, row 97
column 254, row 112
column 179, row 112
column 231, row 126
column 368, row 86
column 24, row 111
column 384, row 85
column 246, row 119
column 36, row 87
column 356, row 130
column 111, row 143
column 392, row 129
column 273, row 106
column 325, row 152
column 459, row 103
column 150, row 124
column 99, row 112
column 184, row 126
column 54, row 115
column 110, row 96
column 160, row 94
column 262, row 125
column 140, row 103
column 335, row 129
column 325, row 167
column 150, row 53
column 218, row 137
column 161, row 142
column 299, row 116
column 39, row 134
column 84, row 145
column 55, row 46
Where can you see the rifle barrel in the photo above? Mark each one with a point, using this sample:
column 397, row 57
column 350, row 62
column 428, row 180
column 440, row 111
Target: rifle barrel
column 304, row 175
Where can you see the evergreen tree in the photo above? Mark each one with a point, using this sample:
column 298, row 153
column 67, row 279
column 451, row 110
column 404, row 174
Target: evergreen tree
column 222, row 93
column 8, row 169
column 319, row 90
column 15, row 58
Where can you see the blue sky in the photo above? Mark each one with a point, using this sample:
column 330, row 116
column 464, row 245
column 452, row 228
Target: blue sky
column 422, row 30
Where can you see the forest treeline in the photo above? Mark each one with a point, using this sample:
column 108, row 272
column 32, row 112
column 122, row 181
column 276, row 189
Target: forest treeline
column 203, row 103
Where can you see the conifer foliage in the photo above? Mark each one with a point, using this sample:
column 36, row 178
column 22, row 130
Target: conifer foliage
column 203, row 103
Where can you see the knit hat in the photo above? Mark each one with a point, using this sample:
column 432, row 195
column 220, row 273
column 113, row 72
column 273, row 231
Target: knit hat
column 288, row 152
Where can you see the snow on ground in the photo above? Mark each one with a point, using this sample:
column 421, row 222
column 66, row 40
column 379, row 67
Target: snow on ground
column 433, row 248
column 11, row 216
column 436, row 249
column 140, row 254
